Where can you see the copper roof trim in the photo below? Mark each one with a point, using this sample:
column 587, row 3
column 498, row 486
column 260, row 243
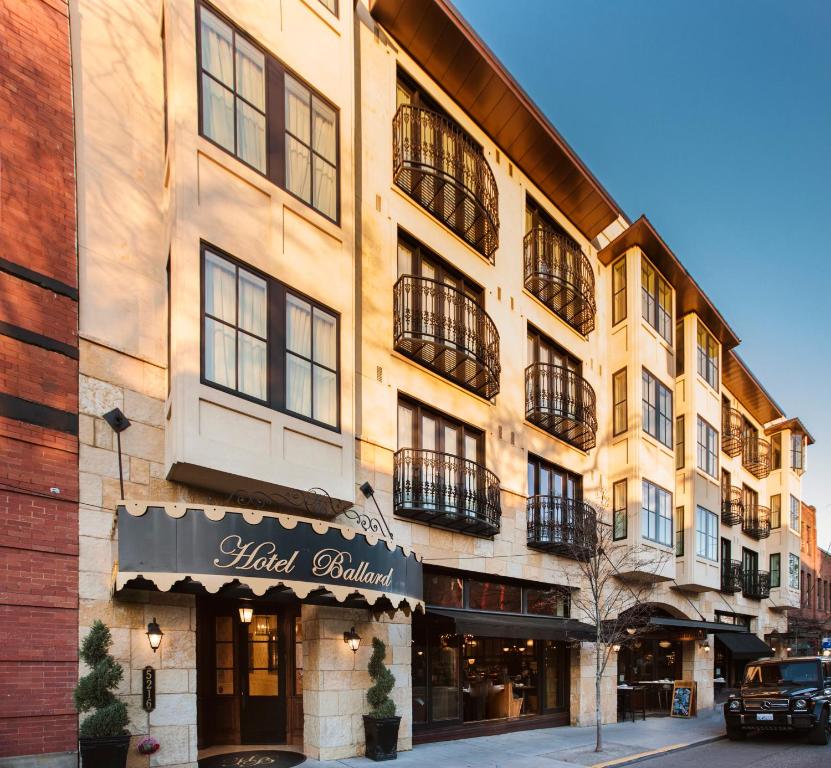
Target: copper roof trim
column 794, row 424
column 739, row 379
column 689, row 295
column 438, row 38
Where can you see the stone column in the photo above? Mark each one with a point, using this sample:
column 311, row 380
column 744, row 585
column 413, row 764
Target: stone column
column 583, row 687
column 698, row 666
column 335, row 679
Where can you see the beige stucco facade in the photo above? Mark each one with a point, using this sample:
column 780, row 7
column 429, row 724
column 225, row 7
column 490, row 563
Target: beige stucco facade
column 151, row 195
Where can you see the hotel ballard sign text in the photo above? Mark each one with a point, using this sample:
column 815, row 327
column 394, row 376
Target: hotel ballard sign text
column 194, row 545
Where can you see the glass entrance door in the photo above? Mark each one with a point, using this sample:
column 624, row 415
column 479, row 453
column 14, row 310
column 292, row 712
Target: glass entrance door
column 262, row 710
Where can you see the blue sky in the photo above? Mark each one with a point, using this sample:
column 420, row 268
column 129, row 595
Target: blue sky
column 714, row 119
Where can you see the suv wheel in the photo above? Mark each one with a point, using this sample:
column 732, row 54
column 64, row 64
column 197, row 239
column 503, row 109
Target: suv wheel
column 735, row 734
column 821, row 732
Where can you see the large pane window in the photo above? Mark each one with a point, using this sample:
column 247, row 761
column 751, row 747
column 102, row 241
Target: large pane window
column 776, row 511
column 794, row 517
column 656, row 409
column 656, row 300
column 776, row 451
column 494, row 596
column 619, row 415
column 706, row 530
column 619, row 514
column 444, row 590
column 798, row 454
column 707, row 356
column 793, row 571
column 619, row 291
column 679, row 531
column 775, row 570
column 244, row 316
column 679, row 443
column 656, row 514
column 251, row 106
column 707, row 448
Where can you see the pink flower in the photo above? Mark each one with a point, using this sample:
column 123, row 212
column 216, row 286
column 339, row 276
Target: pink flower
column 148, row 745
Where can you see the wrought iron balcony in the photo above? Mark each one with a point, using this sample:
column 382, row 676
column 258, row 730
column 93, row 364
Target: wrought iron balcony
column 732, row 576
column 562, row 403
column 756, row 522
column 732, row 508
column 756, row 584
column 562, row 526
column 731, row 431
column 447, row 331
column 446, row 491
column 558, row 273
column 756, row 456
column 444, row 170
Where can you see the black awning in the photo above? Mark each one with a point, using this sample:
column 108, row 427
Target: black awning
column 745, row 645
column 709, row 627
column 492, row 624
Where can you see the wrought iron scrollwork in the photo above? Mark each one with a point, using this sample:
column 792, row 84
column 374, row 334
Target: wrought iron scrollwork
column 731, row 431
column 563, row 526
column 756, row 521
column 561, row 402
column 756, row 584
column 732, row 508
column 756, row 456
column 732, row 576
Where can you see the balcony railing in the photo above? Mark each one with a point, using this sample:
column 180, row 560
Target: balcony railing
column 558, row 273
column 563, row 526
column 444, row 170
column 562, row 403
column 447, row 331
column 731, row 431
column 446, row 491
column 732, row 576
column 756, row 456
column 756, row 521
column 756, row 584
column 732, row 508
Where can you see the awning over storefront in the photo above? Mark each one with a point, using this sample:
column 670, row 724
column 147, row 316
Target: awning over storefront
column 492, row 624
column 744, row 645
column 168, row 544
column 709, row 627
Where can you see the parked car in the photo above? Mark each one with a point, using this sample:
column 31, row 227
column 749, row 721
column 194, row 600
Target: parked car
column 792, row 695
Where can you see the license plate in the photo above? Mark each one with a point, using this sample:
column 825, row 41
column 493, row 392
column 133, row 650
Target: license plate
column 764, row 717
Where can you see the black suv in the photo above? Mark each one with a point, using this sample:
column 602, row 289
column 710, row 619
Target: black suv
column 783, row 695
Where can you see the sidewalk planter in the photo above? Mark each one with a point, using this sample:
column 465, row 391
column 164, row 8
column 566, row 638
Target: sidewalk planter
column 104, row 751
column 381, row 737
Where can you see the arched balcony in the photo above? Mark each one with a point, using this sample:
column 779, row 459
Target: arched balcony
column 756, row 456
column 756, row 522
column 731, row 431
column 562, row 526
column 732, row 508
column 562, row 403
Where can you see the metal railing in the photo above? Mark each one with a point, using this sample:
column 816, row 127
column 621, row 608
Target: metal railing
column 756, row 456
column 562, row 403
column 756, row 584
column 731, row 431
column 564, row 526
column 732, row 576
column 756, row 521
column 732, row 508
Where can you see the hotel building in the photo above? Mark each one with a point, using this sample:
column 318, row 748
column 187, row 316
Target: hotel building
column 377, row 352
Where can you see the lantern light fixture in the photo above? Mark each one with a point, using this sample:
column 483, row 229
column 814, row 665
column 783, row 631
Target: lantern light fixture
column 665, row 644
column 631, row 631
column 154, row 635
column 352, row 639
column 616, row 647
column 246, row 613
column 705, row 646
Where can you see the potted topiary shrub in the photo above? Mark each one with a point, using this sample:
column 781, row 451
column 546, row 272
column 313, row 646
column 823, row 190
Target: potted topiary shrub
column 381, row 724
column 103, row 737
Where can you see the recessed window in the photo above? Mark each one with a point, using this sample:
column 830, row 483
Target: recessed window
column 798, row 454
column 656, row 514
column 706, row 534
column 679, row 531
column 619, row 291
column 794, row 521
column 251, row 106
column 776, row 511
column 775, row 570
column 656, row 409
column 776, row 451
column 793, row 571
column 620, row 416
column 656, row 300
column 619, row 513
column 263, row 342
column 707, row 448
column 707, row 357
column 680, row 448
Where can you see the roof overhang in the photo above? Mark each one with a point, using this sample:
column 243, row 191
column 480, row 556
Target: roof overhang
column 794, row 425
column 737, row 377
column 434, row 33
column 167, row 544
column 707, row 627
column 689, row 296
column 514, row 626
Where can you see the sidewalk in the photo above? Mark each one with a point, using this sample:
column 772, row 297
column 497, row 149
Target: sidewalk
column 565, row 747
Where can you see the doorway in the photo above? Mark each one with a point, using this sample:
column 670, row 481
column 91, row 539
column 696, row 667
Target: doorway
column 242, row 673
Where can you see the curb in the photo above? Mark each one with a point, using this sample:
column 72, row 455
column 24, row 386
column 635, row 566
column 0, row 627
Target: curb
column 637, row 758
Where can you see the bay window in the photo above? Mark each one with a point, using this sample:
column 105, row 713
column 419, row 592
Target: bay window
column 656, row 409
column 707, row 357
column 707, row 448
column 656, row 515
column 706, row 529
column 656, row 300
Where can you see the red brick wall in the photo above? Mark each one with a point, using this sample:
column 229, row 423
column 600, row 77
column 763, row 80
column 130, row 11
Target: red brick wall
column 38, row 529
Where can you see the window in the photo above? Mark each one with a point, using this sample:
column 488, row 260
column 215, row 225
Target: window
column 422, row 428
column 793, row 571
column 679, row 531
column 619, row 515
column 619, row 291
column 656, row 515
column 679, row 347
column 707, row 357
column 250, row 320
column 707, row 448
column 775, row 570
column 776, row 511
column 656, row 300
column 706, row 530
column 679, row 443
column 794, row 521
column 251, row 106
column 545, row 479
column 776, row 451
column 798, row 454
column 620, row 415
column 657, row 409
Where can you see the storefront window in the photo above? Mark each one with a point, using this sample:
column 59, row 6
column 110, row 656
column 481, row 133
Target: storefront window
column 493, row 596
column 555, row 672
column 444, row 674
column 420, row 668
column 650, row 660
column 443, row 590
column 548, row 602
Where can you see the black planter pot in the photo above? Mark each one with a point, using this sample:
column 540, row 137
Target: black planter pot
column 104, row 751
column 381, row 737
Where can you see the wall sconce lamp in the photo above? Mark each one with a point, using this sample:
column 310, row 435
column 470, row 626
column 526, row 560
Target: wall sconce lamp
column 118, row 422
column 616, row 647
column 631, row 631
column 352, row 639
column 246, row 613
column 154, row 635
column 705, row 646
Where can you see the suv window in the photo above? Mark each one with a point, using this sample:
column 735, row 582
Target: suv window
column 826, row 670
column 783, row 673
